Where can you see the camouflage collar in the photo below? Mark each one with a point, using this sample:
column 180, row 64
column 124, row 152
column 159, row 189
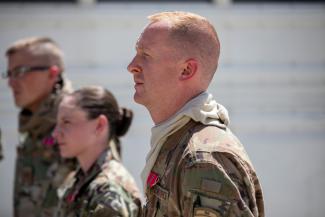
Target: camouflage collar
column 97, row 167
column 83, row 179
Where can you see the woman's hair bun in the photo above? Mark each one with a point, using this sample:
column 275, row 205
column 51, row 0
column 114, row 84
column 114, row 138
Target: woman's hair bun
column 124, row 122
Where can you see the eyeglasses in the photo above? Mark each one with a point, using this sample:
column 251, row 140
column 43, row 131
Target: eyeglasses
column 19, row 71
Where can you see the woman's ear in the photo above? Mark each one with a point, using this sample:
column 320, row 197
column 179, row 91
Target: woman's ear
column 189, row 69
column 102, row 124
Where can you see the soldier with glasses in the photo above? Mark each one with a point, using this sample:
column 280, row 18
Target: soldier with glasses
column 35, row 76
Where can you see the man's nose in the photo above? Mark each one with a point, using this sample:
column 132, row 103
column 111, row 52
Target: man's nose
column 133, row 67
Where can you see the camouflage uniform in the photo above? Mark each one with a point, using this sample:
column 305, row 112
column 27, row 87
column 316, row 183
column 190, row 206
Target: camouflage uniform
column 39, row 168
column 106, row 190
column 203, row 171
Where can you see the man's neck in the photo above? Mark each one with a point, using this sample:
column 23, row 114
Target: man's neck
column 160, row 114
column 33, row 107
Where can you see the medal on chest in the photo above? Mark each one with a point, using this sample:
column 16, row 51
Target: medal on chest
column 152, row 179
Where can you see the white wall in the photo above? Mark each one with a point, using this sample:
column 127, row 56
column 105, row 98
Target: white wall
column 271, row 78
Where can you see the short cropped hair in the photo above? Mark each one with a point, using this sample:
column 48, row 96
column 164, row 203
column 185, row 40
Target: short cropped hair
column 43, row 48
column 193, row 34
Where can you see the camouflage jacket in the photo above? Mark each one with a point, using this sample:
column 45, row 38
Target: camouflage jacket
column 39, row 168
column 106, row 190
column 203, row 171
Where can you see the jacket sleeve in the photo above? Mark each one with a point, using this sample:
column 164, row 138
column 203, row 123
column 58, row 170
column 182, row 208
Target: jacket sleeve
column 110, row 200
column 210, row 189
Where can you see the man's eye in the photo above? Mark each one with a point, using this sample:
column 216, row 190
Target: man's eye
column 19, row 71
column 145, row 56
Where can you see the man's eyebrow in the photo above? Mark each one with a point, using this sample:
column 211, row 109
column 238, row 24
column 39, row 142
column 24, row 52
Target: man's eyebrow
column 137, row 45
column 142, row 49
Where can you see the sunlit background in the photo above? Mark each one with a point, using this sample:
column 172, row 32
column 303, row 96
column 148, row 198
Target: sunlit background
column 271, row 78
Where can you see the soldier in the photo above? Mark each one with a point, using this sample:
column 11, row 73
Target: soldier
column 89, row 121
column 196, row 166
column 35, row 67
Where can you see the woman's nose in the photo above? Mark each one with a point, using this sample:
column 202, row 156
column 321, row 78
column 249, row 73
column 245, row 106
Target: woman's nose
column 56, row 132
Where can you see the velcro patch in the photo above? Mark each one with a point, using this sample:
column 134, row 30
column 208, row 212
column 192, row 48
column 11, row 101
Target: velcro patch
column 210, row 185
column 205, row 212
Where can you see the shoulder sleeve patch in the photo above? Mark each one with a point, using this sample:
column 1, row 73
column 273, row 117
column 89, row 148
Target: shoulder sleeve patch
column 205, row 212
column 210, row 185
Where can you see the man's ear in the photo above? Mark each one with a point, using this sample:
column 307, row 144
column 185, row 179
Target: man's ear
column 54, row 71
column 189, row 69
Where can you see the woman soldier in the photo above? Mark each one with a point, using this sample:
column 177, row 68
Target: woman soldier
column 89, row 122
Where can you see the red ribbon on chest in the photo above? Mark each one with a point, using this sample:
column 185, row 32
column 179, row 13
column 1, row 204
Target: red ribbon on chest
column 71, row 197
column 152, row 179
column 48, row 141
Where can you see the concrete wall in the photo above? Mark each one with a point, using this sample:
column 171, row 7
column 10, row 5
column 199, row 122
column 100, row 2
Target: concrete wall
column 271, row 78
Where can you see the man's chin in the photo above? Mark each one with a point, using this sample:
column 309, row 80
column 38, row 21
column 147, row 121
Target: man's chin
column 138, row 99
column 21, row 105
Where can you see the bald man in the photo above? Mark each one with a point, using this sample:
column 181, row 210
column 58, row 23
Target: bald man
column 196, row 166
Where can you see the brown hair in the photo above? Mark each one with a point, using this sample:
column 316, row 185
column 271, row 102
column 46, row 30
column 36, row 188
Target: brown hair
column 96, row 100
column 45, row 50
column 193, row 34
